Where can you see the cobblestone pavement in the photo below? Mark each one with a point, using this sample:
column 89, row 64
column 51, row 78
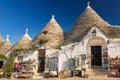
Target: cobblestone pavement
column 71, row 78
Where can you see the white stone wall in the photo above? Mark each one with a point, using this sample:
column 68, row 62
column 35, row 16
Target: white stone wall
column 33, row 55
column 76, row 49
column 114, row 48
column 64, row 56
column 30, row 55
column 52, row 52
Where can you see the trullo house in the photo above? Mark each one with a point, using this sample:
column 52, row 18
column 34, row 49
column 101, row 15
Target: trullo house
column 85, row 44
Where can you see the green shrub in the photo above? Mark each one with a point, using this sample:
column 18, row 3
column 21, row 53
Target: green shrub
column 2, row 57
column 8, row 67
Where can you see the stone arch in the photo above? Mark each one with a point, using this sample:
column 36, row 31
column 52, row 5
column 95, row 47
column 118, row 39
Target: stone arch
column 95, row 41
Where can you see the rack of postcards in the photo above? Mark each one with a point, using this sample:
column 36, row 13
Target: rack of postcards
column 114, row 68
column 105, row 60
column 27, row 69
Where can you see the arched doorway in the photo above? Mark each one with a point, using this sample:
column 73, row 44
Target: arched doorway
column 95, row 48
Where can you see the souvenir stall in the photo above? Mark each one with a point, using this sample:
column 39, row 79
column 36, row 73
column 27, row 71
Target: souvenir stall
column 114, row 68
column 27, row 65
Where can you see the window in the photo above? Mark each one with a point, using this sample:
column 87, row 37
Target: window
column 45, row 32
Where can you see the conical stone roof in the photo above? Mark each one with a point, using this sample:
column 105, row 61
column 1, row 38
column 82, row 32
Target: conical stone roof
column 51, row 32
column 5, row 46
column 87, row 19
column 23, row 43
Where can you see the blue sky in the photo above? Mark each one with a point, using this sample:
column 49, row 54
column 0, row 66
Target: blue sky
column 17, row 15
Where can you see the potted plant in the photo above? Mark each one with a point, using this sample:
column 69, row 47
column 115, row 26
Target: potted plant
column 62, row 74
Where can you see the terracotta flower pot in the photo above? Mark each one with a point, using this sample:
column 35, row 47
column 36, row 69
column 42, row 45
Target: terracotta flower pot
column 62, row 74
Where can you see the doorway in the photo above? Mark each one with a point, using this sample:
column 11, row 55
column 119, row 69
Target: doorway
column 96, row 56
column 41, row 60
column 1, row 64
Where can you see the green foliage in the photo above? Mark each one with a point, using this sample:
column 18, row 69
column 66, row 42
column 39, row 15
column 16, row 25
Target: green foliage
column 2, row 57
column 42, row 41
column 39, row 43
column 16, row 52
column 8, row 67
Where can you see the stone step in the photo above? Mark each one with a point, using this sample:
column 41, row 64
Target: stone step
column 96, row 72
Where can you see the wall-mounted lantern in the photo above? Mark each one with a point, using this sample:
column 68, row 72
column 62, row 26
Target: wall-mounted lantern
column 94, row 33
column 108, row 41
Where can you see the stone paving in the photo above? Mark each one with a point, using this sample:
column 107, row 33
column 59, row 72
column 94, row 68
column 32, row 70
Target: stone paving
column 71, row 78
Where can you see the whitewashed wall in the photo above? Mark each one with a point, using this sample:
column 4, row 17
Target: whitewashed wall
column 34, row 54
column 70, row 51
column 73, row 50
column 114, row 48
column 30, row 55
column 52, row 52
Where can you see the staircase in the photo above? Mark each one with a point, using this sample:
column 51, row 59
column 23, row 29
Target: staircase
column 96, row 72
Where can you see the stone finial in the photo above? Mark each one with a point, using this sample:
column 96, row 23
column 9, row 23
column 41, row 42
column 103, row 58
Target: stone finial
column 53, row 16
column 27, row 35
column 7, row 39
column 88, row 4
column 26, row 30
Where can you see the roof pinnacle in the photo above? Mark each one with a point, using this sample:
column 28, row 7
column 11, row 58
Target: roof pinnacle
column 26, row 30
column 7, row 39
column 88, row 4
column 26, row 34
column 53, row 16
